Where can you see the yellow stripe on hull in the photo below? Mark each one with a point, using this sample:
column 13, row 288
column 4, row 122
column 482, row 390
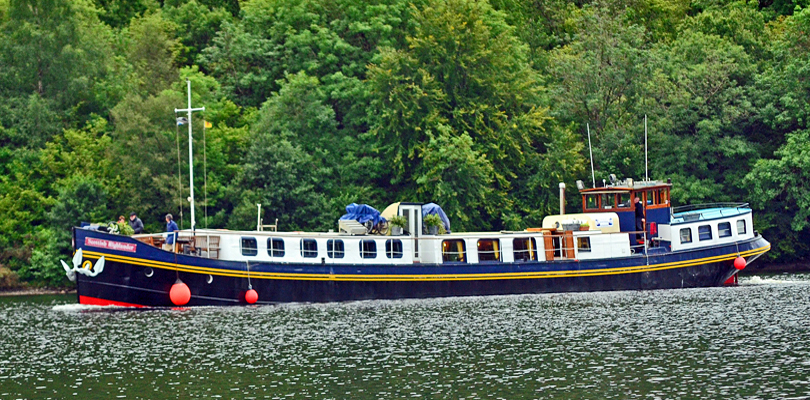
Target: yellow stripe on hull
column 426, row 277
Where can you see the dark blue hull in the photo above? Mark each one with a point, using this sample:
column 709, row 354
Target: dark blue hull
column 142, row 275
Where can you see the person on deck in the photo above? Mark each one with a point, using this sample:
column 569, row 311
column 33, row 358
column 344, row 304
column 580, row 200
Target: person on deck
column 171, row 227
column 135, row 223
column 640, row 221
column 123, row 227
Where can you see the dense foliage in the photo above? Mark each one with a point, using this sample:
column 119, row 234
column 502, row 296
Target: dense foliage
column 480, row 106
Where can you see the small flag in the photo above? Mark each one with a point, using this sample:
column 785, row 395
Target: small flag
column 208, row 124
column 181, row 120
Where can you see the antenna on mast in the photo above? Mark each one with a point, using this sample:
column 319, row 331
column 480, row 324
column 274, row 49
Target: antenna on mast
column 646, row 166
column 590, row 150
column 189, row 110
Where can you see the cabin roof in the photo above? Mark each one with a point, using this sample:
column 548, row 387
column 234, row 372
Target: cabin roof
column 708, row 214
column 636, row 186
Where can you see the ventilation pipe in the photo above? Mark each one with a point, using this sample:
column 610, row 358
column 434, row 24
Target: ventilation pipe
column 562, row 198
column 258, row 216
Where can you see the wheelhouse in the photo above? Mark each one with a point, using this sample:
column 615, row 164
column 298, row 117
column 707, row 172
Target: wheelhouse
column 618, row 197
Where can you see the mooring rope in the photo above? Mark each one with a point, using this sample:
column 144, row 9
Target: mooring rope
column 247, row 263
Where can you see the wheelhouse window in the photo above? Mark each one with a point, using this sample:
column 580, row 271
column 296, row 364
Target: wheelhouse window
column 524, row 249
column 651, row 197
column 741, row 227
column 625, row 200
column 609, row 200
column 724, row 229
column 489, row 250
column 368, row 249
column 705, row 232
column 309, row 248
column 686, row 235
column 249, row 246
column 590, row 202
column 393, row 248
column 275, row 247
column 334, row 248
column 454, row 251
column 663, row 196
column 584, row 244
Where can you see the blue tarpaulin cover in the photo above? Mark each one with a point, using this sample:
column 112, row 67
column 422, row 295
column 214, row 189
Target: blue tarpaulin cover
column 433, row 208
column 363, row 213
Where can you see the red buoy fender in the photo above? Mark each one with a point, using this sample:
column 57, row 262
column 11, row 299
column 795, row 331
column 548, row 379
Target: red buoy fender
column 251, row 296
column 180, row 294
column 739, row 263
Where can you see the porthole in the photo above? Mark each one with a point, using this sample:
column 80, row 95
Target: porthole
column 149, row 272
column 210, row 279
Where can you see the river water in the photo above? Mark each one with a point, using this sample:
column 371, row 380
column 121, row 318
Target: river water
column 746, row 342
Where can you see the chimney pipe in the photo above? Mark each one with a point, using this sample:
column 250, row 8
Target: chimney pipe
column 562, row 198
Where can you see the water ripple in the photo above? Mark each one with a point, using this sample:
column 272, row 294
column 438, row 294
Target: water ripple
column 747, row 342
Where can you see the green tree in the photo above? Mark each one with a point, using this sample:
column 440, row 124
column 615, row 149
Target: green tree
column 738, row 22
column 596, row 78
column 455, row 175
column 153, row 51
column 80, row 198
column 704, row 112
column 295, row 182
column 783, row 7
column 236, row 58
column 286, row 181
column 598, row 81
column 197, row 25
column 119, row 13
column 780, row 192
column 149, row 146
column 541, row 25
column 783, row 86
column 558, row 159
column 333, row 41
column 464, row 74
column 23, row 206
column 52, row 53
column 151, row 150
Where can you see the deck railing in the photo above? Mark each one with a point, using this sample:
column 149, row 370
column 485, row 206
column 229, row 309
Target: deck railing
column 556, row 245
column 705, row 206
column 566, row 248
column 201, row 245
column 694, row 212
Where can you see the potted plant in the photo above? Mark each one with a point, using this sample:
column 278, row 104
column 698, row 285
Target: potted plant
column 433, row 222
column 398, row 223
column 584, row 226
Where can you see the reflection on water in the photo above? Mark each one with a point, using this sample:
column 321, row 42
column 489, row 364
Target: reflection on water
column 751, row 341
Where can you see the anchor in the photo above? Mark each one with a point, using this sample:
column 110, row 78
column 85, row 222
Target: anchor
column 88, row 269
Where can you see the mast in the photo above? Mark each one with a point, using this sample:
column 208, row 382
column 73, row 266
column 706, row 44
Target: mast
column 590, row 150
column 646, row 166
column 189, row 110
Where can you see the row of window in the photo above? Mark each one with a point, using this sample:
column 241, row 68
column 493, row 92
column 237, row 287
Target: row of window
column 625, row 199
column 489, row 250
column 334, row 248
column 705, row 231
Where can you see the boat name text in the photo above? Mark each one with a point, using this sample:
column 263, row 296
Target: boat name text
column 110, row 245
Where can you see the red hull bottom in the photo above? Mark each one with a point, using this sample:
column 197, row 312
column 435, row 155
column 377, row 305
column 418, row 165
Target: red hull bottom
column 94, row 301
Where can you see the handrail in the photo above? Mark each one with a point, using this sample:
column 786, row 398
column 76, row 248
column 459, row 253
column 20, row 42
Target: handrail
column 704, row 206
column 561, row 248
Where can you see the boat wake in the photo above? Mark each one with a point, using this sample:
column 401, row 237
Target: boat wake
column 757, row 280
column 71, row 308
